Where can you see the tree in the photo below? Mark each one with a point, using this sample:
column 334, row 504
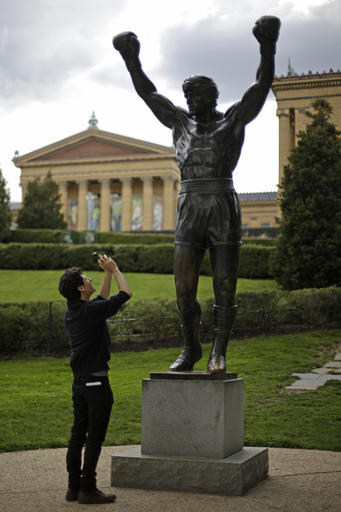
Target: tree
column 41, row 208
column 308, row 254
column 5, row 211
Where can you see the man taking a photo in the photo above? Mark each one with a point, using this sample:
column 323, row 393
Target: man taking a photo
column 85, row 324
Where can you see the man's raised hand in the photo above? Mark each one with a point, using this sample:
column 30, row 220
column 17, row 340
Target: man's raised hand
column 107, row 263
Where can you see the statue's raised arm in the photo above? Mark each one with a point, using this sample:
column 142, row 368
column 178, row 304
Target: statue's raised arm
column 128, row 45
column 266, row 31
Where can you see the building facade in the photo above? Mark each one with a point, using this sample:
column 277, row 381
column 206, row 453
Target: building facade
column 259, row 211
column 108, row 182
column 295, row 94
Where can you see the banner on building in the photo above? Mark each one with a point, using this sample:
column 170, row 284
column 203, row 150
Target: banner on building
column 136, row 218
column 94, row 211
column 72, row 213
column 115, row 212
column 157, row 212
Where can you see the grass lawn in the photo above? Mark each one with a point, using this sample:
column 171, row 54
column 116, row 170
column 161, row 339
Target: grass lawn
column 36, row 411
column 35, row 285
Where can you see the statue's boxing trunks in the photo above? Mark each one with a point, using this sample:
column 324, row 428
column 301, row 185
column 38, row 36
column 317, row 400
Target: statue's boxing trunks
column 208, row 213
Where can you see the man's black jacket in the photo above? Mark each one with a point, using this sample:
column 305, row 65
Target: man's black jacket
column 85, row 324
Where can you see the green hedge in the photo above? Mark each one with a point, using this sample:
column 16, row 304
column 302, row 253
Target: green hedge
column 24, row 236
column 158, row 258
column 135, row 238
column 39, row 326
column 58, row 236
column 51, row 236
column 31, row 326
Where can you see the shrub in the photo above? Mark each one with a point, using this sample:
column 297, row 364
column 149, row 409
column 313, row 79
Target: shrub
column 135, row 238
column 257, row 311
column 150, row 319
column 156, row 258
column 60, row 236
column 12, row 329
column 24, row 236
column 313, row 307
column 254, row 262
column 40, row 326
column 27, row 326
column 51, row 236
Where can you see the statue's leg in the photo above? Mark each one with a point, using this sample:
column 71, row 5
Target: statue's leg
column 187, row 261
column 225, row 261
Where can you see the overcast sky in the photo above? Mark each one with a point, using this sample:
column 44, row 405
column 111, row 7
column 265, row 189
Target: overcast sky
column 57, row 65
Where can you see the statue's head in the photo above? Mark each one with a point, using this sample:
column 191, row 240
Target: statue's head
column 202, row 88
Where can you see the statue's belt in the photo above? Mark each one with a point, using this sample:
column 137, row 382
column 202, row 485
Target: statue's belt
column 206, row 185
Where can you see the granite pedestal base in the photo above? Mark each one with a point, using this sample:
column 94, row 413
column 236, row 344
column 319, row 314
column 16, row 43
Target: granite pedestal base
column 231, row 476
column 191, row 437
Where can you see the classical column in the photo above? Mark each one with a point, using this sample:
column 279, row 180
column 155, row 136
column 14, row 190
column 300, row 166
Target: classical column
column 301, row 121
column 82, row 223
column 147, row 203
column 105, row 205
column 126, row 204
column 285, row 140
column 168, row 203
column 23, row 185
column 62, row 190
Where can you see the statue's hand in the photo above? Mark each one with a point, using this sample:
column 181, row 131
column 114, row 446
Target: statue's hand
column 266, row 30
column 128, row 45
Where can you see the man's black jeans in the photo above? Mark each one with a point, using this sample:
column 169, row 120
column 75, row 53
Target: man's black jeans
column 92, row 403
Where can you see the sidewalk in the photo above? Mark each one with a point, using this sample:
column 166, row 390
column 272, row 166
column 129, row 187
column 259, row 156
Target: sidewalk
column 317, row 377
column 299, row 480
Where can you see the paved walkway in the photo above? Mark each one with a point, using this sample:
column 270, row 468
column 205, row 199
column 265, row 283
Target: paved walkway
column 317, row 377
column 299, row 480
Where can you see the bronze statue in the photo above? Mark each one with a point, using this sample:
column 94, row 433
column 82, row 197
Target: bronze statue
column 208, row 144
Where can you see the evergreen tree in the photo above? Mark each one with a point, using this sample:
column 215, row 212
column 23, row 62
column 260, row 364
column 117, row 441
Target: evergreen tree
column 41, row 208
column 308, row 254
column 5, row 212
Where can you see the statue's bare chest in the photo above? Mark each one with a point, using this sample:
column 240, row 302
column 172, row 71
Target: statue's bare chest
column 209, row 147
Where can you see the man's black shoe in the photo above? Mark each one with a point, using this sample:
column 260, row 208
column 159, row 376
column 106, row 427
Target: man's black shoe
column 95, row 497
column 72, row 494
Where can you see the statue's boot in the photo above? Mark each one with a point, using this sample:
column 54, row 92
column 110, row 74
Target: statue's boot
column 190, row 326
column 223, row 320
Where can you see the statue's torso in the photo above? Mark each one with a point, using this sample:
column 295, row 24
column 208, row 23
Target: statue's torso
column 207, row 150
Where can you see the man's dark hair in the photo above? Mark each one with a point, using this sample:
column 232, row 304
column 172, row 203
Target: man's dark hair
column 69, row 283
column 204, row 83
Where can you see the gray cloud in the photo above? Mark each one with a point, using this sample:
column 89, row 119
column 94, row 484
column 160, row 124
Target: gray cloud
column 43, row 42
column 225, row 49
column 113, row 74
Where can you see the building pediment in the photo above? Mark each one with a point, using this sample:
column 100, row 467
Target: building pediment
column 92, row 144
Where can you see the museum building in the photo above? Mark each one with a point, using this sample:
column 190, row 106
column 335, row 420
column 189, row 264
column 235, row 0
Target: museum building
column 110, row 182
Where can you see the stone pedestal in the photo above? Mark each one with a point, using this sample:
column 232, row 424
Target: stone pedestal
column 201, row 418
column 191, row 437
